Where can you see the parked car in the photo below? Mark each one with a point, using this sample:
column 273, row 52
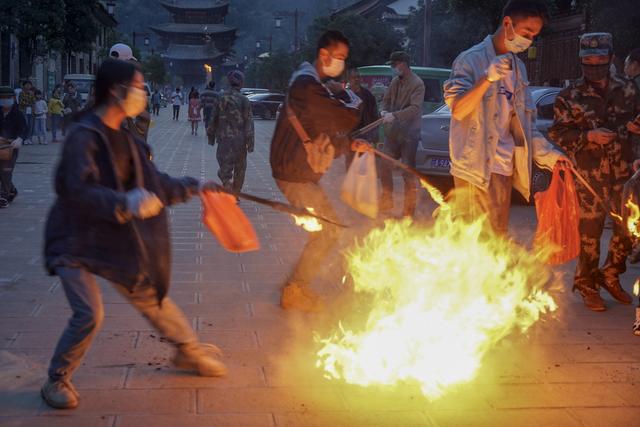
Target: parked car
column 433, row 159
column 246, row 91
column 265, row 105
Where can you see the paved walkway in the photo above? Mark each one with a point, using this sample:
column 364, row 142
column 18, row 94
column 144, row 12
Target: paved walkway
column 575, row 369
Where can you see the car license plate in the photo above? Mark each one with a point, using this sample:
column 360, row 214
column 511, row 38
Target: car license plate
column 440, row 163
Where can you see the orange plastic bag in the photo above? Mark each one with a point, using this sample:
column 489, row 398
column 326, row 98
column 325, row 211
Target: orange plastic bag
column 228, row 223
column 558, row 218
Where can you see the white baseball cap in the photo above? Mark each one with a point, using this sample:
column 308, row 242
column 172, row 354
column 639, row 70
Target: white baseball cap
column 122, row 51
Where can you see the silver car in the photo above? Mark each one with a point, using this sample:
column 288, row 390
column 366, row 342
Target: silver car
column 433, row 158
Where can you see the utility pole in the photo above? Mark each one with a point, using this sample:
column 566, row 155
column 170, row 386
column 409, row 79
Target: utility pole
column 426, row 41
column 295, row 30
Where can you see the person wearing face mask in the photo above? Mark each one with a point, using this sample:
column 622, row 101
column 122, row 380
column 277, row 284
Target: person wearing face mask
column 315, row 112
column 13, row 125
column 109, row 220
column 493, row 138
column 595, row 117
column 402, row 115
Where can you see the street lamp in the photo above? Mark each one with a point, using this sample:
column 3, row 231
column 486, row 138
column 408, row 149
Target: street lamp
column 296, row 16
column 278, row 22
column 146, row 40
column 111, row 7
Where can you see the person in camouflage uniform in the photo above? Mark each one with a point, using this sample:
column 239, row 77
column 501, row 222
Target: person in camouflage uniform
column 231, row 127
column 593, row 119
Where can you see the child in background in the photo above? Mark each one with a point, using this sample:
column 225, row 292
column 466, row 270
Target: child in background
column 55, row 110
column 40, row 114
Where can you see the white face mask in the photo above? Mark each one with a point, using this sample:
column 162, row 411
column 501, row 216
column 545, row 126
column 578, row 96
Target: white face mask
column 518, row 44
column 6, row 102
column 135, row 102
column 396, row 71
column 335, row 67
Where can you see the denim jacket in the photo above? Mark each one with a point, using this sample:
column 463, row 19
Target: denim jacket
column 474, row 139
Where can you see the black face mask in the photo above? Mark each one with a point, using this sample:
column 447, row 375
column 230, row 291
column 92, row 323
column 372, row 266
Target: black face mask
column 595, row 73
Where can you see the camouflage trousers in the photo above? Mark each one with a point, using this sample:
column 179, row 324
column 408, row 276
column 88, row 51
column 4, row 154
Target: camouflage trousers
column 232, row 161
column 592, row 221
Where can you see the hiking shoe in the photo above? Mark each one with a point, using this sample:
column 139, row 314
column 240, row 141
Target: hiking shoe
column 592, row 299
column 4, row 203
column 60, row 394
column 201, row 358
column 296, row 297
column 612, row 285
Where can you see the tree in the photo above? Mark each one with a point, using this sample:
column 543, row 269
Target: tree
column 371, row 39
column 81, row 26
column 38, row 24
column 274, row 71
column 154, row 70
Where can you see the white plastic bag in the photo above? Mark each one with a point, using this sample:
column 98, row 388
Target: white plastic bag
column 360, row 186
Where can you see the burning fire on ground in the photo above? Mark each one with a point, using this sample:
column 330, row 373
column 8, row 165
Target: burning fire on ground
column 442, row 297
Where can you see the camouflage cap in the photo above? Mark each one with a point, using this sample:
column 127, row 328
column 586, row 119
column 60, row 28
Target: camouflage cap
column 595, row 44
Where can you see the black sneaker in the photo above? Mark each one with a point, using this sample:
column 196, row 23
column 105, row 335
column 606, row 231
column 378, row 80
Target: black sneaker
column 13, row 194
column 3, row 203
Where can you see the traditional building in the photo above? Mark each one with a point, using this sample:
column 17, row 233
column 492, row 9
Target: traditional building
column 197, row 37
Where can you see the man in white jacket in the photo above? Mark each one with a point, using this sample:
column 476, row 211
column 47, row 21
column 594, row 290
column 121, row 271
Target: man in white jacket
column 493, row 138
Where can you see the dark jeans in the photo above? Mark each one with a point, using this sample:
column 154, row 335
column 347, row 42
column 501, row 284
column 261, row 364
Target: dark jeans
column 319, row 244
column 6, row 175
column 84, row 296
column 206, row 116
column 56, row 119
column 29, row 129
column 156, row 109
column 176, row 112
column 404, row 149
column 232, row 160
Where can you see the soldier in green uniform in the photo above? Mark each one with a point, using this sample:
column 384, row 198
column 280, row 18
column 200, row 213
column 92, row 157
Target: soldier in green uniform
column 231, row 127
column 594, row 117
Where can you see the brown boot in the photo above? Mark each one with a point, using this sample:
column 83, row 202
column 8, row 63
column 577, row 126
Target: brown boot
column 613, row 286
column 60, row 394
column 592, row 299
column 201, row 358
column 295, row 297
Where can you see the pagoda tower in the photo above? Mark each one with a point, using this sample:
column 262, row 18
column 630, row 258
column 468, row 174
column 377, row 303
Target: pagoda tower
column 197, row 38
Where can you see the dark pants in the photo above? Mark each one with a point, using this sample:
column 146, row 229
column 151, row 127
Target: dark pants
column 319, row 244
column 472, row 202
column 206, row 116
column 56, row 119
column 28, row 132
column 6, row 175
column 232, row 161
column 85, row 299
column 404, row 149
column 592, row 219
column 176, row 112
column 156, row 109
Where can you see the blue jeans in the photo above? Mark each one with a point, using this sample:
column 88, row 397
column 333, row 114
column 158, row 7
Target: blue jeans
column 404, row 149
column 83, row 293
column 40, row 129
column 29, row 130
column 56, row 120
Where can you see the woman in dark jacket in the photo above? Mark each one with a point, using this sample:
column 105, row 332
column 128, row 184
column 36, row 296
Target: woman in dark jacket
column 109, row 220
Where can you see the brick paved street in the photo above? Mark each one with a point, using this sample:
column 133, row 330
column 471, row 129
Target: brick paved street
column 575, row 369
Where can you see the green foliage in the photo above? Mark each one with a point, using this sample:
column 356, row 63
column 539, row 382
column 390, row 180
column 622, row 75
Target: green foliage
column 39, row 24
column 272, row 72
column 371, row 40
column 154, row 70
column 81, row 26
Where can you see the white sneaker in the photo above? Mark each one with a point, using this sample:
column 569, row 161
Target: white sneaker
column 194, row 356
column 60, row 394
